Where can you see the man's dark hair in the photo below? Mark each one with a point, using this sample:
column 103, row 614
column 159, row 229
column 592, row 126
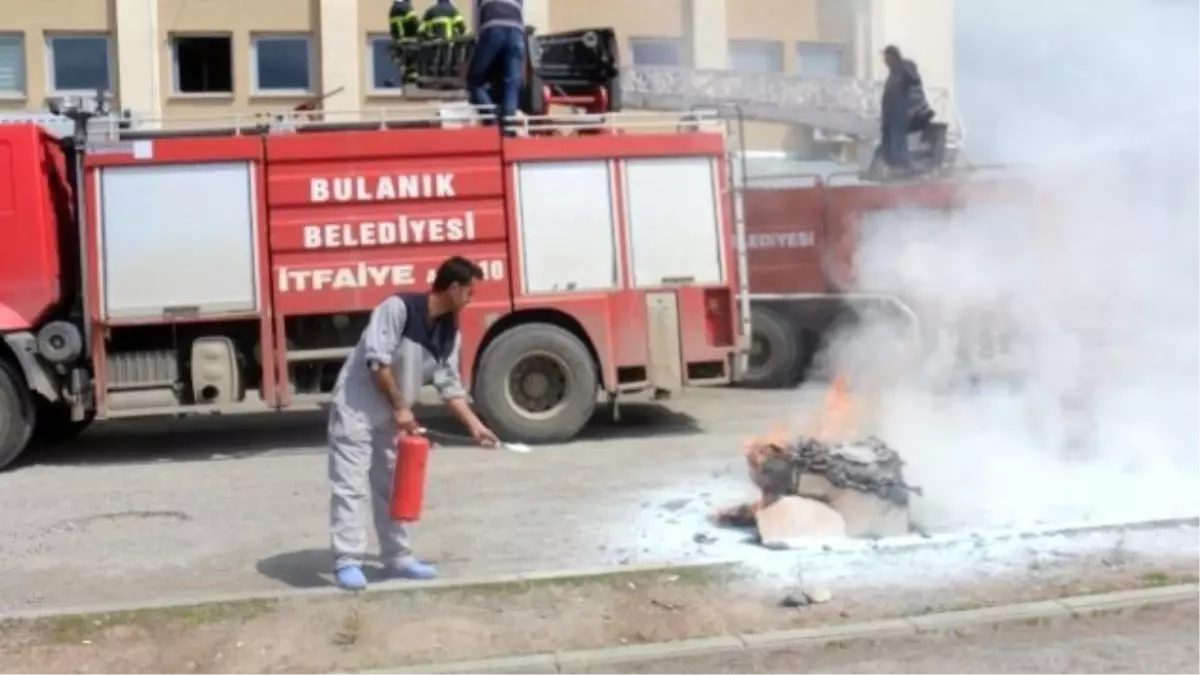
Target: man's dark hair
column 456, row 270
column 892, row 50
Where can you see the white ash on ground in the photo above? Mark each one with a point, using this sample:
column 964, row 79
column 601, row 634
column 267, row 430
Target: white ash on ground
column 815, row 488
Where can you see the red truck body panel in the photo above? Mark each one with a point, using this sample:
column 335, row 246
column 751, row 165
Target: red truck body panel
column 802, row 239
column 342, row 219
column 34, row 209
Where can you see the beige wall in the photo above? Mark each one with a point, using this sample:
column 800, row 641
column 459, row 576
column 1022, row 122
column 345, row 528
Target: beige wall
column 240, row 20
column 339, row 29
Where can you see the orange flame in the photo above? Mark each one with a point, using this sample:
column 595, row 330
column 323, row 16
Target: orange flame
column 837, row 420
column 839, row 417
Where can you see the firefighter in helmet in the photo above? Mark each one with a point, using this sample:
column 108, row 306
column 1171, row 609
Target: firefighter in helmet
column 443, row 21
column 404, row 25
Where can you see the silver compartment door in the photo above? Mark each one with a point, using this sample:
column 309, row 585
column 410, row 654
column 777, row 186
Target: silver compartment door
column 178, row 238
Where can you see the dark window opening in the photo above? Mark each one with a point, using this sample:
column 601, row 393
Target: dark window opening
column 203, row 65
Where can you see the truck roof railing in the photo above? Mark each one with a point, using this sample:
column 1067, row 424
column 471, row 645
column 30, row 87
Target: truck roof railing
column 449, row 117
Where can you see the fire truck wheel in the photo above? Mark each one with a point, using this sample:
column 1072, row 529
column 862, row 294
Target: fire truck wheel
column 18, row 414
column 536, row 383
column 774, row 351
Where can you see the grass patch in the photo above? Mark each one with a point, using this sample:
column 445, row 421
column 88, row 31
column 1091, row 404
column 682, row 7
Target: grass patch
column 686, row 576
column 1156, row 578
column 74, row 628
column 77, row 628
column 351, row 630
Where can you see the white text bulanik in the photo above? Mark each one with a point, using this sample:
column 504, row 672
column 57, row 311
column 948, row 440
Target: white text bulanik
column 402, row 230
column 382, row 188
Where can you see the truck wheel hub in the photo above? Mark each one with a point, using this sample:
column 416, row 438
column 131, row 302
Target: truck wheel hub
column 760, row 351
column 538, row 384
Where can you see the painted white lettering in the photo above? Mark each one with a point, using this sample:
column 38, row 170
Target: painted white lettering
column 493, row 270
column 802, row 239
column 312, row 236
column 361, row 275
column 408, row 187
column 382, row 188
column 402, row 230
column 318, row 190
column 387, row 233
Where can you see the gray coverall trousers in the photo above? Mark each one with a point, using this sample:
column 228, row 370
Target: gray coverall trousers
column 362, row 434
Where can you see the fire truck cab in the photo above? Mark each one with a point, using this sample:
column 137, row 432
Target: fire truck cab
column 231, row 268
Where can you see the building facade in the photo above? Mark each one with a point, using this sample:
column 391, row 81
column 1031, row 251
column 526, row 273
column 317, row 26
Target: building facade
column 179, row 59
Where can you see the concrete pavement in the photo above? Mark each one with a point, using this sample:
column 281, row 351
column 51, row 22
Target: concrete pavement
column 154, row 510
column 150, row 511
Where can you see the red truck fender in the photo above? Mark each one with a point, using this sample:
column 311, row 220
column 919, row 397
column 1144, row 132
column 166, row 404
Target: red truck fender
column 11, row 320
column 23, row 346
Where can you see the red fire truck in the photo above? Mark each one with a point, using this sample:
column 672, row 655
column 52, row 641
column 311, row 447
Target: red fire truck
column 231, row 268
column 803, row 232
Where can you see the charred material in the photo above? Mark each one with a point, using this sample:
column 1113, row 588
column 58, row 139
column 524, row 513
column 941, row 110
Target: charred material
column 868, row 466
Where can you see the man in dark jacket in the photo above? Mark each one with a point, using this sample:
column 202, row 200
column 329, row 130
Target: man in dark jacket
column 443, row 21
column 903, row 108
column 404, row 24
column 499, row 55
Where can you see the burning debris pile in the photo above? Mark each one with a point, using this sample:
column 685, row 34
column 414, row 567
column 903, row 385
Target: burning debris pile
column 813, row 485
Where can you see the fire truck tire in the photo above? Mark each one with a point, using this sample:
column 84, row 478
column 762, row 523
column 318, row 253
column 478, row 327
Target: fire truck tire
column 536, row 383
column 774, row 351
column 18, row 414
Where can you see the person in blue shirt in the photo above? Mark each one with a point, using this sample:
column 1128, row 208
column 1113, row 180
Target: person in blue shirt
column 499, row 56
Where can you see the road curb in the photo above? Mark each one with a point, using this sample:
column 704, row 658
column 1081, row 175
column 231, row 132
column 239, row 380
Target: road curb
column 572, row 661
column 380, row 588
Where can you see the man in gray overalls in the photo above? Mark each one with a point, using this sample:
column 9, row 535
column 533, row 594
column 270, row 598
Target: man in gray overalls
column 411, row 339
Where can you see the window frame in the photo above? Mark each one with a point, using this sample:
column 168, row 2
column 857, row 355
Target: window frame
column 173, row 47
column 311, row 64
column 836, row 48
column 777, row 46
column 22, row 90
column 52, row 88
column 369, row 56
column 681, row 59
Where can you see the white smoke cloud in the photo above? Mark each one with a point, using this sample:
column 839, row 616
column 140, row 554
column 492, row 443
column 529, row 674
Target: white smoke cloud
column 1085, row 405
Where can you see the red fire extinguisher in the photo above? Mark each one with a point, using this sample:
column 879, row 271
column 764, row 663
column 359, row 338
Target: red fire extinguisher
column 408, row 481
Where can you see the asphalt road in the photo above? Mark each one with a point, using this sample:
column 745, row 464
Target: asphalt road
column 151, row 510
column 1158, row 640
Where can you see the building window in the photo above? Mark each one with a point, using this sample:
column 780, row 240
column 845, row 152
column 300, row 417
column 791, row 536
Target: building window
column 203, row 64
column 12, row 65
column 655, row 51
column 756, row 57
column 820, row 60
column 79, row 63
column 383, row 73
column 283, row 63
